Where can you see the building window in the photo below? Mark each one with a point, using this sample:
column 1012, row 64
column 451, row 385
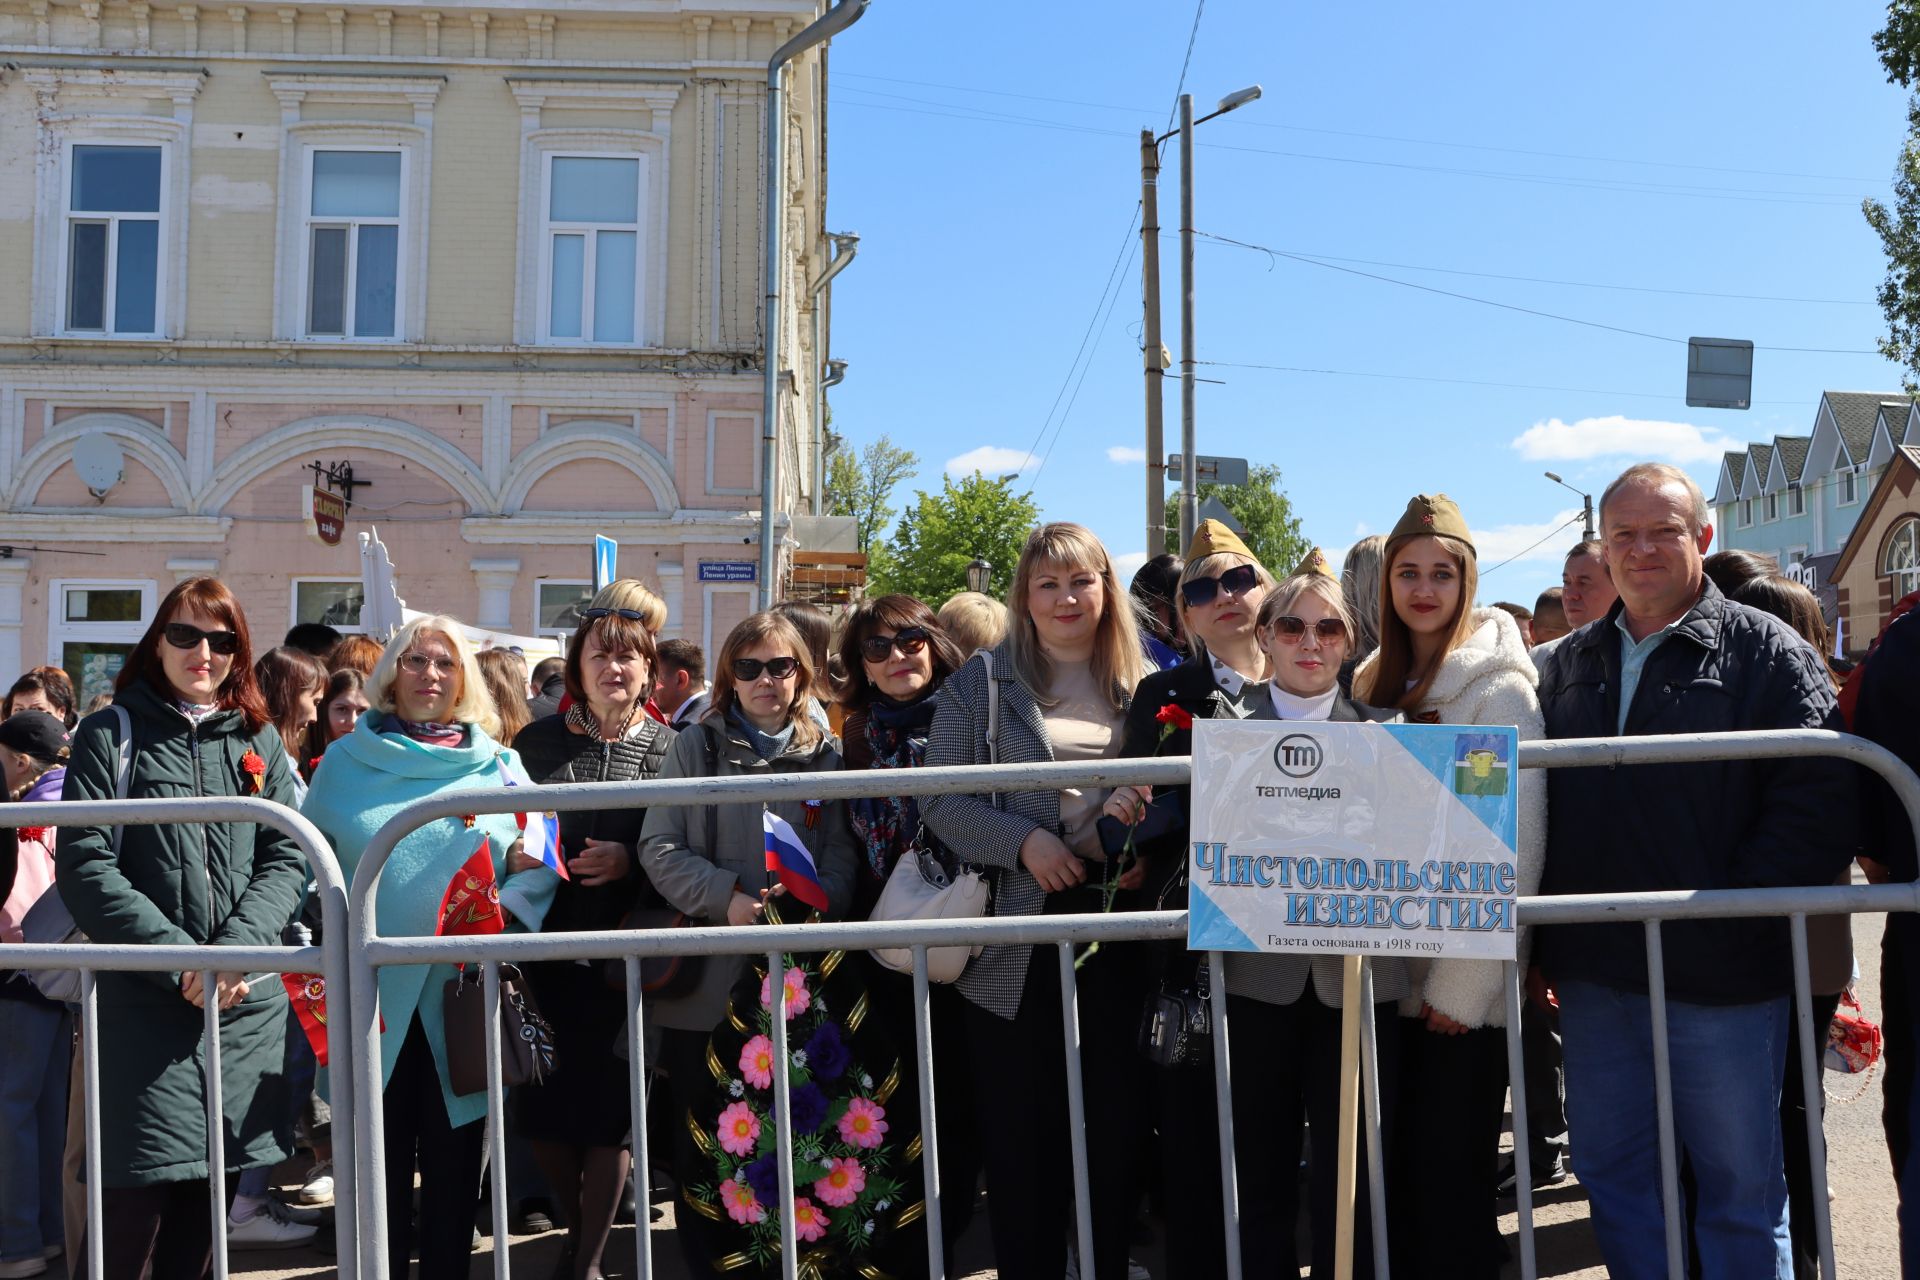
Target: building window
column 113, row 236
column 1773, row 507
column 1746, row 513
column 94, row 625
column 1796, row 500
column 1849, row 486
column 353, row 242
column 333, row 602
column 590, row 249
column 1901, row 561
column 557, row 606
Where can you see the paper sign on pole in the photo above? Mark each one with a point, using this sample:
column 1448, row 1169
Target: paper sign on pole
column 1354, row 838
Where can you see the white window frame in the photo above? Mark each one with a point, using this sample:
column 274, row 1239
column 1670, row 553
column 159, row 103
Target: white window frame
column 310, row 221
column 549, row 229
column 1796, row 500
column 293, row 604
column 70, row 218
column 1849, row 486
column 1746, row 513
column 1906, row 580
column 561, row 633
column 1771, row 509
column 60, row 632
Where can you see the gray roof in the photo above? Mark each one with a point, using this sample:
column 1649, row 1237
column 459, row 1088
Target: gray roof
column 1793, row 455
column 1854, row 413
column 1736, row 464
column 1762, row 455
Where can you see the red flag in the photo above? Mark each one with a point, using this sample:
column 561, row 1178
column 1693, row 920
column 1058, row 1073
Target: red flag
column 472, row 901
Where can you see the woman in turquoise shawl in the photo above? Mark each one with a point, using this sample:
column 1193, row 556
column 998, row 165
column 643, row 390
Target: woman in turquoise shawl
column 429, row 732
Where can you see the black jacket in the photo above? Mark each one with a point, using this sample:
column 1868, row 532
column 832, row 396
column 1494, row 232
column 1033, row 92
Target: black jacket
column 1716, row 825
column 1192, row 688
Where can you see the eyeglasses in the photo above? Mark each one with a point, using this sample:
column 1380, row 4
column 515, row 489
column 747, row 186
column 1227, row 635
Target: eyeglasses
column 594, row 615
column 748, row 669
column 908, row 641
column 182, row 635
column 1290, row 629
column 418, row 664
column 1236, row 582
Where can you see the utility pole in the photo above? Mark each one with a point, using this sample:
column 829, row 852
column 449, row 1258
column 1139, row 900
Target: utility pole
column 1189, row 472
column 1152, row 347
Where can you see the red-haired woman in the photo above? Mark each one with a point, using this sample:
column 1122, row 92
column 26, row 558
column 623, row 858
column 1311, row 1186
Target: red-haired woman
column 199, row 728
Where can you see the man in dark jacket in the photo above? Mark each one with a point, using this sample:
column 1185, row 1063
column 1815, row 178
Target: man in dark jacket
column 550, row 678
column 1675, row 656
column 1888, row 712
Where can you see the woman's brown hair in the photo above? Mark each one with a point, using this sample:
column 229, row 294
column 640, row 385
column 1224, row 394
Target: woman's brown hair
column 359, row 653
column 1386, row 680
column 283, row 675
column 1118, row 663
column 504, row 672
column 750, row 632
column 51, row 681
column 891, row 613
column 1794, row 605
column 619, row 635
column 209, row 596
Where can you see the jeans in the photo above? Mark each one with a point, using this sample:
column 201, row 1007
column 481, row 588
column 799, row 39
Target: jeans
column 1727, row 1067
column 33, row 1125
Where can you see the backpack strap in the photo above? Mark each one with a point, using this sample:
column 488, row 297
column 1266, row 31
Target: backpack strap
column 123, row 765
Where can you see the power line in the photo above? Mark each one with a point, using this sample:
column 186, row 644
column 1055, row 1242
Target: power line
column 1193, row 34
column 1516, row 555
column 1458, row 382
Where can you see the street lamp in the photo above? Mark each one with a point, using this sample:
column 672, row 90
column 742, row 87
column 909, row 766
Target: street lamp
column 979, row 575
column 1586, row 503
column 1152, row 349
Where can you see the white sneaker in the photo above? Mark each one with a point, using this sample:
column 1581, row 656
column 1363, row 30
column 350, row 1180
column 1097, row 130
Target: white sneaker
column 273, row 1227
column 318, row 1188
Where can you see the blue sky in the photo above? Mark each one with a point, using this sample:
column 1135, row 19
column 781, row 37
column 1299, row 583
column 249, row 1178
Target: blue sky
column 988, row 157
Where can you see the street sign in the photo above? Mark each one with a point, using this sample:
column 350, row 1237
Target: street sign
column 1211, row 469
column 1214, row 509
column 729, row 571
column 324, row 513
column 605, row 552
column 1719, row 373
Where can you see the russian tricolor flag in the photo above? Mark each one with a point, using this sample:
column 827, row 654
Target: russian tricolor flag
column 540, row 831
column 787, row 857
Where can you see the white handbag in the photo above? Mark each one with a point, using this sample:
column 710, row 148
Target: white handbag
column 918, row 889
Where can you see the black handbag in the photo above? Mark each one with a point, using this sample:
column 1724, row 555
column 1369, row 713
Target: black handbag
column 668, row 977
column 1176, row 1029
column 526, row 1038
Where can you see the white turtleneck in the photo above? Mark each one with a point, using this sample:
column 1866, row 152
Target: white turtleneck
column 1291, row 706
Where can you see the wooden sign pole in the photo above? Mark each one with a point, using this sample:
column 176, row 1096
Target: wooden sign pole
column 1348, row 1141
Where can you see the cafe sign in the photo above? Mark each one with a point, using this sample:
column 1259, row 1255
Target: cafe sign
column 325, row 514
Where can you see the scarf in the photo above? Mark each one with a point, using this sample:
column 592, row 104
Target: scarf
column 887, row 826
column 765, row 745
column 195, row 711
column 586, row 722
column 429, row 732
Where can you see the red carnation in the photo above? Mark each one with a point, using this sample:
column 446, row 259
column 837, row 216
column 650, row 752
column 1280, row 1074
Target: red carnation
column 32, row 833
column 1174, row 717
column 256, row 770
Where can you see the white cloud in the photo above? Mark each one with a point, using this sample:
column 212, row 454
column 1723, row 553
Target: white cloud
column 1125, row 453
column 1643, row 439
column 1128, row 563
column 1527, row 543
column 1361, row 530
column 991, row 460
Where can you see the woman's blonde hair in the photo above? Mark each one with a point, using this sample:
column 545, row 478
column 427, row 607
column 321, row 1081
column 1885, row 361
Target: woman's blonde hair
column 1281, row 599
column 1360, row 579
column 631, row 593
column 748, row 633
column 1386, row 679
column 973, row 621
column 1118, row 664
column 505, row 674
column 473, row 705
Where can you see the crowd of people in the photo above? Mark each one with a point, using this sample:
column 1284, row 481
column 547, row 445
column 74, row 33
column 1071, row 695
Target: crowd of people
column 1646, row 634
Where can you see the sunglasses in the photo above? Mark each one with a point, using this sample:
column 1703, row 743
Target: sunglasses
column 631, row 615
column 183, row 635
column 1237, row 582
column 749, row 669
column 1290, row 629
column 907, row 641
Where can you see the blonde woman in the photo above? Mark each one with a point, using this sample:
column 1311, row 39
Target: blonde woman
column 431, row 729
column 1444, row 661
column 1062, row 681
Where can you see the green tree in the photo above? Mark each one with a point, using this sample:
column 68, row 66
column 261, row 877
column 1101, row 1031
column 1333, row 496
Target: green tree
column 1898, row 227
column 861, row 486
column 1261, row 506
column 941, row 533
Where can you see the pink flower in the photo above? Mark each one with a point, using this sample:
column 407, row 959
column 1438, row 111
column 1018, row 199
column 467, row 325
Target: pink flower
column 739, row 1129
column 756, row 1062
column 798, row 998
column 864, row 1124
column 843, row 1184
column 809, row 1223
column 742, row 1205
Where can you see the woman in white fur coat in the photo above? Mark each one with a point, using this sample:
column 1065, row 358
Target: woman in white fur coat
column 1443, row 661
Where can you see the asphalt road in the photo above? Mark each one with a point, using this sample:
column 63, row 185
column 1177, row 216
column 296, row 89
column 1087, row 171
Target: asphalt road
column 1866, row 1246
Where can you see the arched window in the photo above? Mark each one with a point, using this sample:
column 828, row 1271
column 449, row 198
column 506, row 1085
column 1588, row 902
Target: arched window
column 1901, row 561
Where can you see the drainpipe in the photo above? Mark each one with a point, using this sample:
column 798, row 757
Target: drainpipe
column 829, row 24
column 845, row 245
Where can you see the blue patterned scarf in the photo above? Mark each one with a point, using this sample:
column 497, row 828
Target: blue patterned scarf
column 887, row 825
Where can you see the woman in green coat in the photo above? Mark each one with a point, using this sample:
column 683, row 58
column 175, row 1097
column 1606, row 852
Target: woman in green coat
column 199, row 728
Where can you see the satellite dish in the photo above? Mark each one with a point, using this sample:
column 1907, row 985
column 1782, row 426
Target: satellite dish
column 97, row 458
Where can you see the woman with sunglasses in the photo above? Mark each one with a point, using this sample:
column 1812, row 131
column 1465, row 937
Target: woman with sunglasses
column 199, row 728
column 897, row 655
column 1442, row 660
column 430, row 732
column 1057, row 688
column 577, row 1121
column 709, row 861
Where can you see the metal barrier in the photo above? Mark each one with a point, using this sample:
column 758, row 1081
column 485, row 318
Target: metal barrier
column 92, row 958
column 370, row 951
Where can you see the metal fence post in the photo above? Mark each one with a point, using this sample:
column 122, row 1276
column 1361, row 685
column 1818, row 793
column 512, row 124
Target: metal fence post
column 637, row 1103
column 216, row 1122
column 496, row 1120
column 1517, row 1088
column 1370, row 1094
column 1663, row 1102
column 90, row 1117
column 783, row 1113
column 1223, row 1113
column 1076, row 1109
column 1810, row 1093
column 929, row 1126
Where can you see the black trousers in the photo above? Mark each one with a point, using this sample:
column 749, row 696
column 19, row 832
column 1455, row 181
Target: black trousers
column 1286, row 1069
column 1020, row 1100
column 690, row 1086
column 1447, row 1153
column 420, row 1136
column 159, row 1232
column 1546, row 1084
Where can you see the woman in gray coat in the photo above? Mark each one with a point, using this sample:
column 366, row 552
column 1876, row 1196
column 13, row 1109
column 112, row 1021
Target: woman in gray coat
column 710, row 860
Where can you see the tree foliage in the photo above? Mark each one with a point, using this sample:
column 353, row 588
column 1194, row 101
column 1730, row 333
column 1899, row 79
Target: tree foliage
column 1261, row 506
column 862, row 486
column 1898, row 227
column 941, row 533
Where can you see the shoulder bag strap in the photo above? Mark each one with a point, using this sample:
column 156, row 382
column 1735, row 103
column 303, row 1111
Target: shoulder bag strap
column 993, row 716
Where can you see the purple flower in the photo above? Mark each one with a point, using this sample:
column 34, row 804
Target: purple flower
column 763, row 1175
column 827, row 1055
column 809, row 1108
